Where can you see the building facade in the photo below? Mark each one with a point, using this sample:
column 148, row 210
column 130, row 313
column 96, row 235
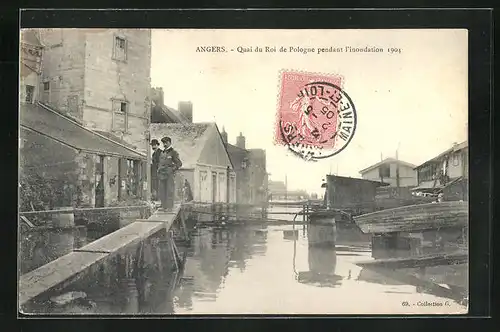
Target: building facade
column 84, row 113
column 448, row 172
column 71, row 165
column 391, row 171
column 205, row 163
column 250, row 168
column 30, row 66
column 101, row 78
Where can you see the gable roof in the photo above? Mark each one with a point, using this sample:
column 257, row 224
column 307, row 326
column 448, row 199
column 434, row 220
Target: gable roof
column 385, row 161
column 455, row 148
column 44, row 121
column 170, row 113
column 224, row 145
column 187, row 139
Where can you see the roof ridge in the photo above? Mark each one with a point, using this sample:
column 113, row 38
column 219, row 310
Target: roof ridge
column 121, row 140
column 384, row 160
column 89, row 130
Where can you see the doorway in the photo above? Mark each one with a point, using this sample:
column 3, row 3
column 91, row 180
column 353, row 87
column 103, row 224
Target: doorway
column 214, row 187
column 99, row 181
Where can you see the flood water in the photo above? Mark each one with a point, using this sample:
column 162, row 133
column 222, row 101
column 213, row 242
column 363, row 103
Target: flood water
column 252, row 269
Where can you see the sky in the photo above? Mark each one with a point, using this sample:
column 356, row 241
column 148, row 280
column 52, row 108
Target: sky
column 415, row 100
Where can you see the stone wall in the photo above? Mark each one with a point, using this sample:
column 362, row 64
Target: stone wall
column 32, row 79
column 111, row 181
column 108, row 79
column 50, row 170
column 63, row 68
column 85, row 78
column 86, row 179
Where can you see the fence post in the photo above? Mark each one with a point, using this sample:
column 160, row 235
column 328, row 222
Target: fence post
column 304, row 207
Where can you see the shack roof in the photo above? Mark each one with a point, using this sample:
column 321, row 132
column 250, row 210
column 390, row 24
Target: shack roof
column 345, row 178
column 386, row 161
column 44, row 121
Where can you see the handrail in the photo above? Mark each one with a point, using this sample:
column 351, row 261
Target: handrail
column 83, row 209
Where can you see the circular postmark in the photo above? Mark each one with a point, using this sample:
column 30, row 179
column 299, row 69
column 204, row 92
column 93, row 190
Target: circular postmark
column 320, row 122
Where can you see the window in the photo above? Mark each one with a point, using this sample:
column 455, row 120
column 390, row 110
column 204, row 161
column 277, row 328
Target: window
column 46, row 86
column 385, row 171
column 120, row 49
column 123, row 107
column 30, row 91
column 120, row 115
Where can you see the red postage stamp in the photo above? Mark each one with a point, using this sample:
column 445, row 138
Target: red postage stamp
column 316, row 119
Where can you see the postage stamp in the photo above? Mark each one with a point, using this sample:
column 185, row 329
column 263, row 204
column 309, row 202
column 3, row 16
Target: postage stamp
column 316, row 118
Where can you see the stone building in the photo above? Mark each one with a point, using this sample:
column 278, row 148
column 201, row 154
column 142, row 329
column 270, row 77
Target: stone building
column 101, row 78
column 391, row 171
column 30, row 66
column 85, row 112
column 78, row 166
column 250, row 168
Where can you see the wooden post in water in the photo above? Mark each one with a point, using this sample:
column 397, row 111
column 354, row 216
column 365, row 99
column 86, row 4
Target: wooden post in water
column 183, row 223
column 306, row 208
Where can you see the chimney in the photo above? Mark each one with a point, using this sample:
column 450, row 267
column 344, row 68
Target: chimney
column 224, row 135
column 186, row 109
column 157, row 96
column 240, row 141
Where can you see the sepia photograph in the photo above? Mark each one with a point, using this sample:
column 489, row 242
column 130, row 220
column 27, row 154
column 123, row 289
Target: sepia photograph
column 243, row 171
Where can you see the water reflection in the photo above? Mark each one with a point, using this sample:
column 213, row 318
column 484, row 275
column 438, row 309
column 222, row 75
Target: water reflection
column 37, row 248
column 238, row 269
column 213, row 252
column 322, row 257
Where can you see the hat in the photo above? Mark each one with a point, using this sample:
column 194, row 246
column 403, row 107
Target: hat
column 154, row 142
column 166, row 139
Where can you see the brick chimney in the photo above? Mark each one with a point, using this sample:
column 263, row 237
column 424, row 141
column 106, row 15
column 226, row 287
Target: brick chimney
column 223, row 134
column 186, row 109
column 240, row 141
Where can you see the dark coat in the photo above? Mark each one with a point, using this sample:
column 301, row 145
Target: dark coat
column 155, row 161
column 168, row 164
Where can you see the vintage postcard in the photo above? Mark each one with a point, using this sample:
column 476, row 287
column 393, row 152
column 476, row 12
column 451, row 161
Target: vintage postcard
column 184, row 171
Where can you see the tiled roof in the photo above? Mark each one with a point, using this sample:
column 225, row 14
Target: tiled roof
column 49, row 123
column 187, row 139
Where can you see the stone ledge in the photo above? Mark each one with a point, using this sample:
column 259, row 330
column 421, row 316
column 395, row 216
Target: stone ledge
column 52, row 274
column 71, row 265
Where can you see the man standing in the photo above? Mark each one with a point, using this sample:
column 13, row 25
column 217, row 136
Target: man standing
column 155, row 145
column 168, row 165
